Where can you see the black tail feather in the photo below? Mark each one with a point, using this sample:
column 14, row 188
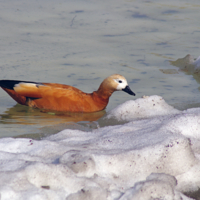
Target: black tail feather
column 9, row 84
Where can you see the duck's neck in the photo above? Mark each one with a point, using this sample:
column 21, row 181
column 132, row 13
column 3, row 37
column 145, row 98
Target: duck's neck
column 104, row 91
column 101, row 97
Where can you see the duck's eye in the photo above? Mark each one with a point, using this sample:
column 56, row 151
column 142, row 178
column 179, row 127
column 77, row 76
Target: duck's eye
column 120, row 81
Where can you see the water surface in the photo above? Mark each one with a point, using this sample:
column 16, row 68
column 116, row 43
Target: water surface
column 82, row 42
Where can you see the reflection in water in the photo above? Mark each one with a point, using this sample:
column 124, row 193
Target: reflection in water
column 42, row 123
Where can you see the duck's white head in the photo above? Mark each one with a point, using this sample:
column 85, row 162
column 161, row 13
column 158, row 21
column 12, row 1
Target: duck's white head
column 116, row 82
column 122, row 84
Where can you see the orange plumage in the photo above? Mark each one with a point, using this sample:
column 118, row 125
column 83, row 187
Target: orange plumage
column 59, row 97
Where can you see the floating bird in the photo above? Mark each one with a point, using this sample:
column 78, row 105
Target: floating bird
column 59, row 97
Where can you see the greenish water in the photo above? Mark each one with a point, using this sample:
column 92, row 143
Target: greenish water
column 80, row 43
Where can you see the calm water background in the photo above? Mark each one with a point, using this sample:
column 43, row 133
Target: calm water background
column 82, row 42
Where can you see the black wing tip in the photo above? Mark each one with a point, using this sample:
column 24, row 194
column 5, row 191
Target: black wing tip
column 9, row 84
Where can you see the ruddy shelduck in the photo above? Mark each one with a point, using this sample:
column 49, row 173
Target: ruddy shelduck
column 59, row 97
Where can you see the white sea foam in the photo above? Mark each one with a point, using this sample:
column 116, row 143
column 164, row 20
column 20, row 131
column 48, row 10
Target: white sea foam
column 156, row 157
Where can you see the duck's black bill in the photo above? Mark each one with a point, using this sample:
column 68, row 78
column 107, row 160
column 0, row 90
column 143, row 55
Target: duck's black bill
column 128, row 90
